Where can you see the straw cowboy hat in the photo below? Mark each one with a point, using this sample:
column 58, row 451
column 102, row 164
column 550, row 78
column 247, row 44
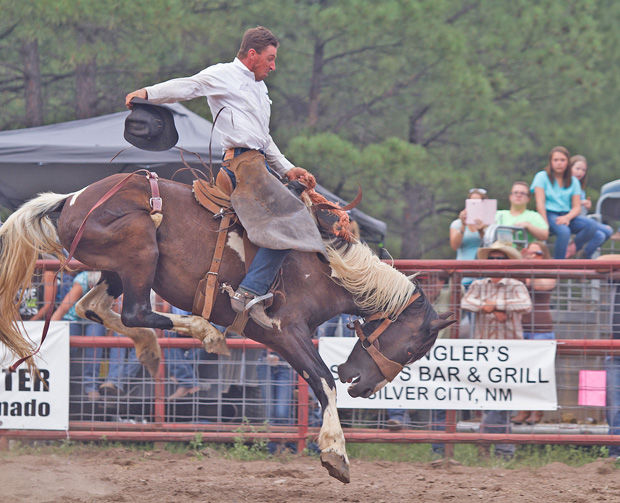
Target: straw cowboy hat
column 150, row 126
column 506, row 248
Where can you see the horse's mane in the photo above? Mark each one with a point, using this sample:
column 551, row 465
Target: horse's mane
column 375, row 286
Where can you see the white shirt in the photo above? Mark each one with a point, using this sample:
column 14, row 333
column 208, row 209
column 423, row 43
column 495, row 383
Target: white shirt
column 244, row 122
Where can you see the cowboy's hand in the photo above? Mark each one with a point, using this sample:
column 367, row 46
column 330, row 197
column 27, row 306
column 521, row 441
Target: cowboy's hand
column 306, row 177
column 140, row 93
column 500, row 316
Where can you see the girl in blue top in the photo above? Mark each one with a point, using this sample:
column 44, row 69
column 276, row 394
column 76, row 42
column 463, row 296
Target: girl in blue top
column 558, row 200
column 579, row 170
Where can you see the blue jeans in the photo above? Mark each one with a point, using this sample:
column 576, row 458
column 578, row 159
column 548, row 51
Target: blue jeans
column 539, row 336
column 498, row 421
column 278, row 383
column 583, row 228
column 85, row 361
column 180, row 361
column 438, row 423
column 123, row 365
column 602, row 234
column 612, row 366
column 267, row 262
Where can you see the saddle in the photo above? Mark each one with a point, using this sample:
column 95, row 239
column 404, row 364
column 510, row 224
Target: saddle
column 271, row 214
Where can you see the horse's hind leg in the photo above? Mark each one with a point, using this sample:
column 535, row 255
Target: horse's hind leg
column 96, row 305
column 199, row 328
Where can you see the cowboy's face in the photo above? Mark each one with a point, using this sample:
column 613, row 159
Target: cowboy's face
column 261, row 63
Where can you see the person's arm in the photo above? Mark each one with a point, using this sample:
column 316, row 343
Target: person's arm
column 71, row 298
column 472, row 300
column 575, row 211
column 541, row 199
column 542, row 284
column 540, row 233
column 48, row 299
column 276, row 159
column 456, row 234
column 171, row 91
column 517, row 299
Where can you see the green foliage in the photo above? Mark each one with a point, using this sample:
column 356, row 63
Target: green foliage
column 415, row 101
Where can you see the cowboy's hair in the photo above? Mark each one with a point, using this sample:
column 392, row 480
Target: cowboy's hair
column 574, row 160
column 566, row 178
column 258, row 39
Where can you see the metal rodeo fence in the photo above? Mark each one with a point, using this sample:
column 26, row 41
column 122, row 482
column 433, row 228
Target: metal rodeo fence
column 566, row 390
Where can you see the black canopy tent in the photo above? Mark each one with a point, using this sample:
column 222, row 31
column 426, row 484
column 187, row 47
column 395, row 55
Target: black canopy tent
column 67, row 156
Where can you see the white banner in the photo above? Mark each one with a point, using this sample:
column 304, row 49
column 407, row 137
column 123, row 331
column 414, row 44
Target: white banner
column 460, row 374
column 30, row 403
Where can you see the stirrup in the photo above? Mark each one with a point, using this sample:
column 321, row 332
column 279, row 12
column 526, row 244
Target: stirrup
column 251, row 306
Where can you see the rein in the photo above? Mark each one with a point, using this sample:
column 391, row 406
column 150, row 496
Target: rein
column 156, row 205
column 389, row 368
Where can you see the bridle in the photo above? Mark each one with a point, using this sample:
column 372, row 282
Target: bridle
column 389, row 368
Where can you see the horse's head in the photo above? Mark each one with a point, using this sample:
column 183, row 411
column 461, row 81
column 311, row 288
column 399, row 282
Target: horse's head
column 404, row 341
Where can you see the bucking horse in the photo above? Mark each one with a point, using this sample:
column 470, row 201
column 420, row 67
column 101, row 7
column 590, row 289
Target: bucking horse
column 136, row 253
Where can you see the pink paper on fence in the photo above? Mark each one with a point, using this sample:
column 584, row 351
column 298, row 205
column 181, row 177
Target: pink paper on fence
column 592, row 387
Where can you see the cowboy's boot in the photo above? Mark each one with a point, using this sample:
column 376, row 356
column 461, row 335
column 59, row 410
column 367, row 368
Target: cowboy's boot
column 243, row 300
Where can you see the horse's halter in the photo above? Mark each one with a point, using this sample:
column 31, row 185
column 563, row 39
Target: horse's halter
column 389, row 368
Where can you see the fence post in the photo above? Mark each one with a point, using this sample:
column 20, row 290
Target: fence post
column 159, row 407
column 302, row 412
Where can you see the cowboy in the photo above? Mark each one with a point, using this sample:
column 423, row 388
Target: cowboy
column 238, row 91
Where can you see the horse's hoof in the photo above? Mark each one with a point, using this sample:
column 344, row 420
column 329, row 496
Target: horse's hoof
column 336, row 466
column 218, row 346
column 151, row 361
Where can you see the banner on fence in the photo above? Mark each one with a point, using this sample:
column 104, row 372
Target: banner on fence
column 29, row 402
column 460, row 374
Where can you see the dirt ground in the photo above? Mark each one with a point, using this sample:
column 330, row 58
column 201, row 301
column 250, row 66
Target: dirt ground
column 121, row 475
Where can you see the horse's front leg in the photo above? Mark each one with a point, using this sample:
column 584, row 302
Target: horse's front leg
column 331, row 438
column 296, row 347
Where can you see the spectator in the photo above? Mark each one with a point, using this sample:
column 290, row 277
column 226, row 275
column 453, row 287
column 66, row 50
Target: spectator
column 466, row 239
column 558, row 200
column 519, row 216
column 84, row 361
column 498, row 304
column 180, row 366
column 538, row 323
column 278, row 384
column 63, row 285
column 579, row 169
column 612, row 365
column 336, row 327
column 123, row 365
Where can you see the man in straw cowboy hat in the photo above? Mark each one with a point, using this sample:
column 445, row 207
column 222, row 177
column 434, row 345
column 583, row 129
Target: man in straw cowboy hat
column 498, row 304
column 237, row 92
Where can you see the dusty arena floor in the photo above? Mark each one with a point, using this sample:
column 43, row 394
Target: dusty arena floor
column 121, row 475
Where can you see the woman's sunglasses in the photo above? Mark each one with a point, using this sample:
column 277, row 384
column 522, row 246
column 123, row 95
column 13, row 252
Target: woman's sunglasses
column 537, row 252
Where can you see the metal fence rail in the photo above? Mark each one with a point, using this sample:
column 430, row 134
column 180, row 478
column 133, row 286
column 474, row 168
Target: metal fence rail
column 253, row 395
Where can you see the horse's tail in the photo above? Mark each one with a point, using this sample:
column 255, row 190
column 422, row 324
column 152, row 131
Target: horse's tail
column 28, row 232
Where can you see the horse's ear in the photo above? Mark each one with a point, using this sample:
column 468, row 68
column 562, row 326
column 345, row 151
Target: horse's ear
column 446, row 315
column 440, row 324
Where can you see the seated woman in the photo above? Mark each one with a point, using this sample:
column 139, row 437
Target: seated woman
column 579, row 169
column 558, row 200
